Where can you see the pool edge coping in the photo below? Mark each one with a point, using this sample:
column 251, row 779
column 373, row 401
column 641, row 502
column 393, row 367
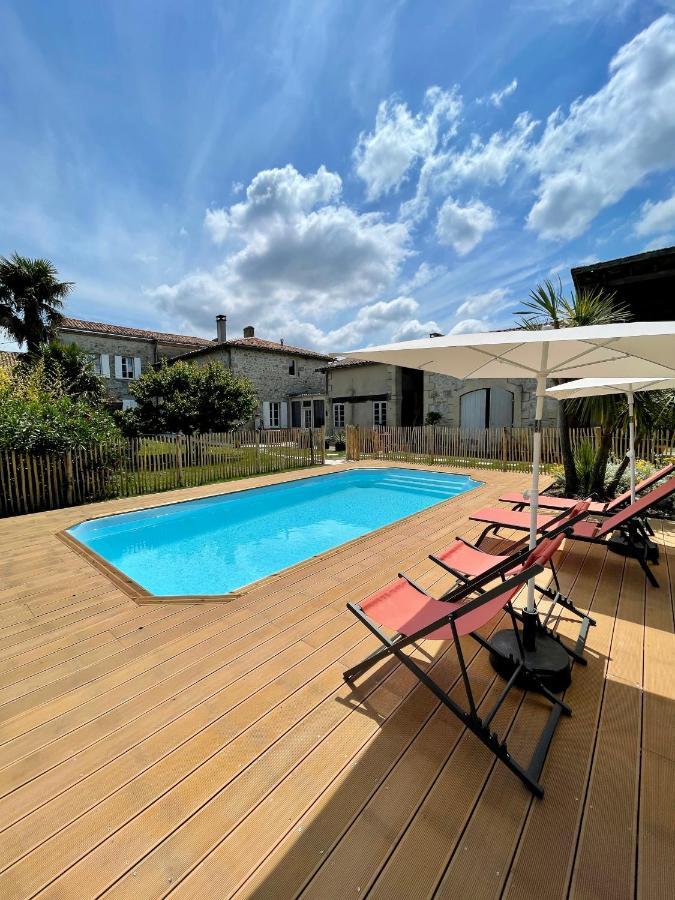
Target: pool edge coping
column 143, row 597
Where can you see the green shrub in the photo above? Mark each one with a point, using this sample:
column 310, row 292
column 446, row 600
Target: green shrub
column 584, row 461
column 37, row 415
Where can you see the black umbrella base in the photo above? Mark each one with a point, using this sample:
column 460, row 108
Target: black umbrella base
column 548, row 659
column 638, row 546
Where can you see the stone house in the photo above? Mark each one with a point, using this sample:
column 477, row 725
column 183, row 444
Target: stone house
column 289, row 381
column 378, row 394
column 120, row 354
column 372, row 394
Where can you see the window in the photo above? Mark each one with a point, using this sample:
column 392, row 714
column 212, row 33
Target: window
column 127, row 366
column 96, row 363
column 292, row 368
column 129, row 403
column 338, row 415
column 275, row 414
column 380, row 412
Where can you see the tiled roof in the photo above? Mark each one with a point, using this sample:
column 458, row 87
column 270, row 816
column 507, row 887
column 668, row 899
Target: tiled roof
column 348, row 363
column 125, row 331
column 254, row 343
column 9, row 359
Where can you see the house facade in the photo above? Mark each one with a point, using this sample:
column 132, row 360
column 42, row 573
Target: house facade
column 120, row 354
column 376, row 394
column 372, row 394
column 289, row 381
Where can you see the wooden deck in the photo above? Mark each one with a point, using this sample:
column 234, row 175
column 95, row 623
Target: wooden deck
column 213, row 749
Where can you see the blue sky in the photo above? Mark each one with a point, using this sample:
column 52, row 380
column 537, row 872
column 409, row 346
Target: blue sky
column 334, row 173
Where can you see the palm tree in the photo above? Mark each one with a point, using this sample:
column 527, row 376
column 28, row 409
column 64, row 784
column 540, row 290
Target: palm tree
column 548, row 307
column 31, row 300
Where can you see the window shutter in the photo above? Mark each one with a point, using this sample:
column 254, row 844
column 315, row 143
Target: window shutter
column 283, row 414
column 118, row 367
column 105, row 365
column 266, row 414
column 137, row 367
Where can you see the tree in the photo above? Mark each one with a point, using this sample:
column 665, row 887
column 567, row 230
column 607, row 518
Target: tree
column 548, row 307
column 31, row 300
column 72, row 370
column 189, row 398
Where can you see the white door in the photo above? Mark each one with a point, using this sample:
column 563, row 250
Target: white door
column 472, row 409
column 501, row 407
column 306, row 416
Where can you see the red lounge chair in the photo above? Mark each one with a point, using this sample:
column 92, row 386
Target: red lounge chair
column 631, row 536
column 596, row 509
column 551, row 525
column 625, row 532
column 412, row 614
column 465, row 561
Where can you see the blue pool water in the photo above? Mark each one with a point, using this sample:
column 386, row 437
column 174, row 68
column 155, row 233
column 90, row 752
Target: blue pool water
column 218, row 544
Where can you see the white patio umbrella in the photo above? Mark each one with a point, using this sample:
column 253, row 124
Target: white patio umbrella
column 599, row 387
column 646, row 349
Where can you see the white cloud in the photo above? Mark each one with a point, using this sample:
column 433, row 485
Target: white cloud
column 660, row 241
column 384, row 156
column 471, row 326
column 274, row 195
column 424, row 274
column 490, row 301
column 463, row 226
column 610, row 141
column 386, row 320
column 496, row 98
column 295, row 256
column 656, row 217
column 568, row 12
column 480, row 162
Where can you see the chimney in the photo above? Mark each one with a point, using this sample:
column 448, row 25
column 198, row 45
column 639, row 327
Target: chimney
column 221, row 329
column 249, row 331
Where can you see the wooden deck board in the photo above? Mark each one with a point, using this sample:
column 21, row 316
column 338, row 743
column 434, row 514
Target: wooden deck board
column 169, row 748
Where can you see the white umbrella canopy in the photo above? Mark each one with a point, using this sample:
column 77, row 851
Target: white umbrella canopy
column 646, row 349
column 599, row 387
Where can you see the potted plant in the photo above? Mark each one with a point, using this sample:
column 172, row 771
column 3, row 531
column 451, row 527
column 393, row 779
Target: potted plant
column 340, row 445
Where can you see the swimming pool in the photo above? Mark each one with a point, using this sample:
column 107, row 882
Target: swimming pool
column 218, row 544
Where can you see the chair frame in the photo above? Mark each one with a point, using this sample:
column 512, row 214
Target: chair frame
column 478, row 725
column 555, row 596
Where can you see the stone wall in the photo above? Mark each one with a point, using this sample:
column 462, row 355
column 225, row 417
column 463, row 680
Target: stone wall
column 442, row 394
column 147, row 351
column 270, row 373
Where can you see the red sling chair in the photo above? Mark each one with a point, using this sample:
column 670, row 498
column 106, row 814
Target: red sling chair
column 412, row 614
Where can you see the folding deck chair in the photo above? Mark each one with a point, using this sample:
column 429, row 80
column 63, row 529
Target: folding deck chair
column 465, row 561
column 412, row 614
column 551, row 525
column 624, row 532
column 608, row 508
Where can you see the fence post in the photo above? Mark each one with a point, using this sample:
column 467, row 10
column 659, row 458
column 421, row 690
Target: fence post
column 311, row 446
column 431, row 443
column 179, row 459
column 68, row 471
column 597, row 437
column 505, row 448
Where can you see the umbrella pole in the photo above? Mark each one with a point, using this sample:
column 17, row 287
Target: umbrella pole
column 534, row 486
column 631, row 438
column 543, row 655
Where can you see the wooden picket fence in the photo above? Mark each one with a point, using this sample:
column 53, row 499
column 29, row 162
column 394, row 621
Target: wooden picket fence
column 31, row 482
column 488, row 448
